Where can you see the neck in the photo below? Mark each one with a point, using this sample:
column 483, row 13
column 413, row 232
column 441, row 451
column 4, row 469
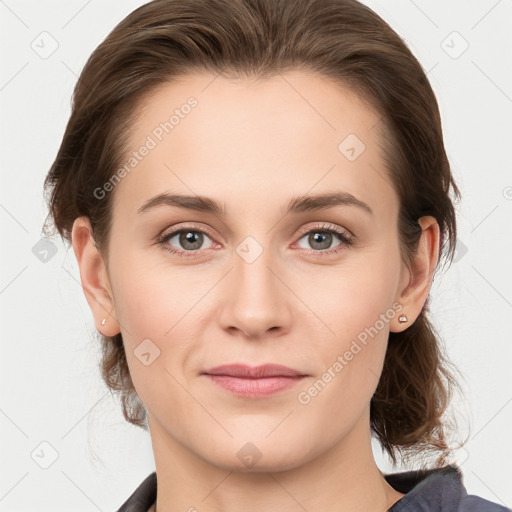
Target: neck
column 343, row 479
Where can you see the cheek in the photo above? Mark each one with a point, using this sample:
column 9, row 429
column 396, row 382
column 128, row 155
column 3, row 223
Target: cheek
column 151, row 299
column 158, row 310
column 355, row 305
column 351, row 363
column 350, row 297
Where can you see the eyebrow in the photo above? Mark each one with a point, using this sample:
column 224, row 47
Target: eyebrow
column 295, row 205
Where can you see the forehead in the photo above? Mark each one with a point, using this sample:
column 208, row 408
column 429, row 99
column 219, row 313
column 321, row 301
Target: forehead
column 265, row 139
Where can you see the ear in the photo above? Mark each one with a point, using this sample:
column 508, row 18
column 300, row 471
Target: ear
column 417, row 278
column 93, row 275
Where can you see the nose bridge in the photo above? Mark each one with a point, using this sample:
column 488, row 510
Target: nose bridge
column 253, row 276
column 256, row 299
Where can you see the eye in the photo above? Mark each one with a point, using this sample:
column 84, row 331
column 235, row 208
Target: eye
column 185, row 240
column 188, row 241
column 321, row 239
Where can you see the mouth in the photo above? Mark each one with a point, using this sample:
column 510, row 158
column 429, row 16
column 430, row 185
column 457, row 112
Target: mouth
column 254, row 372
column 254, row 382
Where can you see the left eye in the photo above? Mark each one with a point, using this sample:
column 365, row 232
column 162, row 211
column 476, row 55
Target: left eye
column 190, row 240
column 322, row 239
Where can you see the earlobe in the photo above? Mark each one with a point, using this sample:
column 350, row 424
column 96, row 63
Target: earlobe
column 418, row 275
column 94, row 278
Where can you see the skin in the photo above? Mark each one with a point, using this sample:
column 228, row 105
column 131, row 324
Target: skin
column 252, row 146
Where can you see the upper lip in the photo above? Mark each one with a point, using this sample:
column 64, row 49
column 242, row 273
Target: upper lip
column 254, row 372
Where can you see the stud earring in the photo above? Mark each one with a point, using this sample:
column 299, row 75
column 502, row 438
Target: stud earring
column 103, row 321
column 402, row 319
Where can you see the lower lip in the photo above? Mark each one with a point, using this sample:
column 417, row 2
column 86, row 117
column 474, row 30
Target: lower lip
column 254, row 388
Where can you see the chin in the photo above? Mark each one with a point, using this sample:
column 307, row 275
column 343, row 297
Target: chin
column 256, row 457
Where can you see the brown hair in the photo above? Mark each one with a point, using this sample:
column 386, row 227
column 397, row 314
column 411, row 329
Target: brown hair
column 340, row 39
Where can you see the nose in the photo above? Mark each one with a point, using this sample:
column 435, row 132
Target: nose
column 255, row 299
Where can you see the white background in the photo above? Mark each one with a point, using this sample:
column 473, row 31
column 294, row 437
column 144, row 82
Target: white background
column 51, row 391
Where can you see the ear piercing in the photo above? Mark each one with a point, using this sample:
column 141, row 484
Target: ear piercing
column 103, row 321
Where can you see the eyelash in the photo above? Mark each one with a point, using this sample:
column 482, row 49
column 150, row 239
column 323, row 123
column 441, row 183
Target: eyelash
column 346, row 240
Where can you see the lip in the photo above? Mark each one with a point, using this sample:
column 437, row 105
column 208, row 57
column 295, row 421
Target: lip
column 254, row 381
column 254, row 372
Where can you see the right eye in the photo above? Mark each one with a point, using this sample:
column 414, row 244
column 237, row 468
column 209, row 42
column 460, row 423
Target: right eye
column 184, row 240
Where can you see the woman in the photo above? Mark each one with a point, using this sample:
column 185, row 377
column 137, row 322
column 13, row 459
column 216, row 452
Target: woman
column 258, row 196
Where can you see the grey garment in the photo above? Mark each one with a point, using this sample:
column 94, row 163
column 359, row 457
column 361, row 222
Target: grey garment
column 143, row 497
column 427, row 490
column 437, row 490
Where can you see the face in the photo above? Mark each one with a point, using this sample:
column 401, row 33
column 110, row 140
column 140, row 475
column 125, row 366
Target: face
column 270, row 276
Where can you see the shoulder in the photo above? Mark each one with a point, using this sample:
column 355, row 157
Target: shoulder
column 473, row 503
column 437, row 490
column 142, row 497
